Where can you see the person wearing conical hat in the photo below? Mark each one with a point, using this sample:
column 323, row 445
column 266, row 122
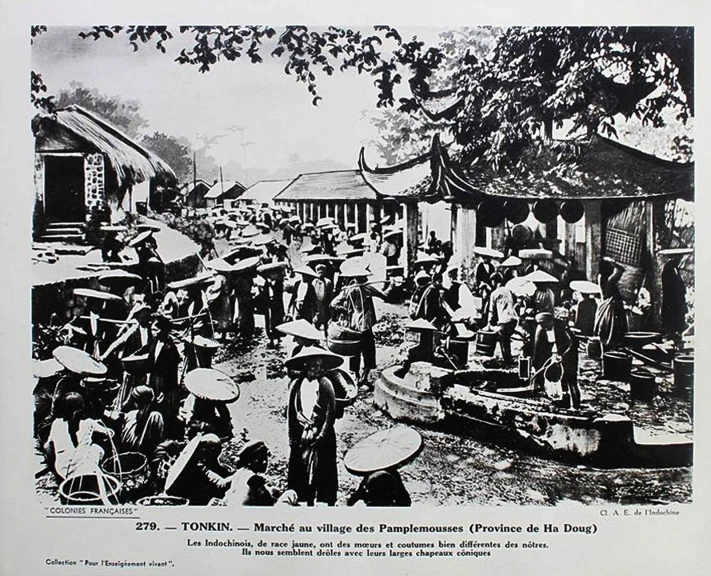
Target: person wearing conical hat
column 150, row 265
column 90, row 321
column 327, row 240
column 355, row 301
column 164, row 360
column 302, row 303
column 543, row 299
column 555, row 347
column 502, row 315
column 244, row 305
column 287, row 231
column 323, row 288
column 311, row 415
column 482, row 275
column 426, row 302
column 390, row 247
column 203, row 416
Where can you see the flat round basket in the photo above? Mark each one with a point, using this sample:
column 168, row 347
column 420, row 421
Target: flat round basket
column 385, row 449
column 211, row 384
column 78, row 361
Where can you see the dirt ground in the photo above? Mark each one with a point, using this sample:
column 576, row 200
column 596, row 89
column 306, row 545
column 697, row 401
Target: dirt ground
column 452, row 470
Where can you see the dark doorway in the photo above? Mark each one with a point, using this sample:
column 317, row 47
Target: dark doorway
column 64, row 188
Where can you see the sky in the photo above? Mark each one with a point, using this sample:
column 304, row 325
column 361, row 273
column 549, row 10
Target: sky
column 275, row 112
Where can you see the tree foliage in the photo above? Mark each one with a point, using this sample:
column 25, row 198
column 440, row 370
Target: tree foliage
column 176, row 153
column 584, row 77
column 123, row 114
column 307, row 53
column 511, row 86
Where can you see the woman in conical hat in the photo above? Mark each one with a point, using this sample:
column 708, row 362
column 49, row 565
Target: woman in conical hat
column 311, row 415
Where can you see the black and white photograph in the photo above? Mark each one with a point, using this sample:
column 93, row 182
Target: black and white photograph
column 365, row 266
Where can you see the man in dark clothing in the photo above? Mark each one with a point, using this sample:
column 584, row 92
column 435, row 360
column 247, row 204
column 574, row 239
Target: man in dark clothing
column 427, row 301
column 323, row 288
column 164, row 361
column 673, row 299
column 451, row 294
column 303, row 300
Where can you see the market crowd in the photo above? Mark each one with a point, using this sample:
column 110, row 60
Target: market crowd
column 133, row 373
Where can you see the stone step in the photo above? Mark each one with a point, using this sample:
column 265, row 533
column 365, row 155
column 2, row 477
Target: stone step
column 64, row 230
column 66, row 223
column 60, row 237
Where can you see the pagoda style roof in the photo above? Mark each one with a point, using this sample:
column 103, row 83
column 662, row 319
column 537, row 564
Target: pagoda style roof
column 592, row 169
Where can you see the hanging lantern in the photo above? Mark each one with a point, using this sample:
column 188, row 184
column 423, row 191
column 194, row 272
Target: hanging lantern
column 516, row 210
column 572, row 211
column 545, row 210
column 491, row 212
column 521, row 235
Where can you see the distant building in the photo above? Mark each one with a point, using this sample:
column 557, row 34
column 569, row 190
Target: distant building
column 193, row 194
column 263, row 192
column 221, row 191
column 85, row 165
column 343, row 195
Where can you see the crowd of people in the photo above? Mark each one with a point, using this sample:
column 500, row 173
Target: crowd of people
column 135, row 371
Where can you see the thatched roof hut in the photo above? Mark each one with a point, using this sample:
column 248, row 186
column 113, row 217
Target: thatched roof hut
column 74, row 127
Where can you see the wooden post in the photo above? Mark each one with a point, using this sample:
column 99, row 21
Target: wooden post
column 655, row 242
column 570, row 240
column 465, row 239
column 370, row 216
column 410, row 237
column 593, row 238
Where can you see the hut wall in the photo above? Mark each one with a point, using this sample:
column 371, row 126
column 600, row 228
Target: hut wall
column 38, row 213
column 94, row 182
